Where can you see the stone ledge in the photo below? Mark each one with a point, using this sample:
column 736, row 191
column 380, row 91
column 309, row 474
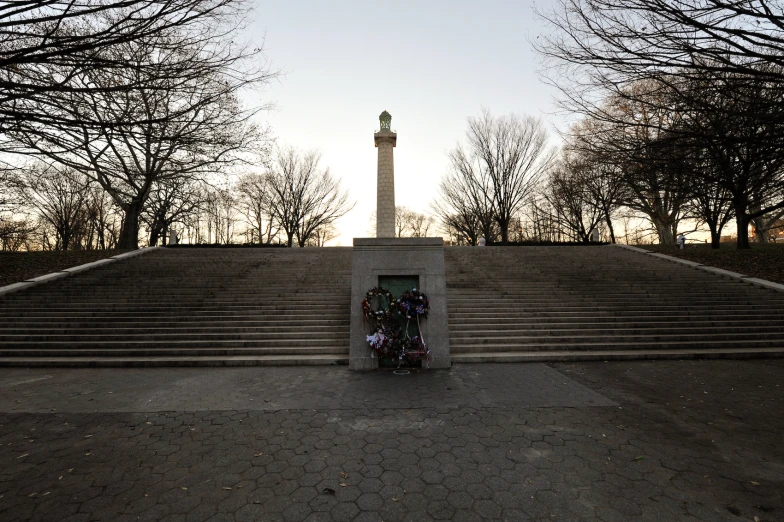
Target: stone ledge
column 407, row 242
column 764, row 283
column 722, row 272
column 675, row 259
column 712, row 269
column 633, row 249
column 47, row 277
column 86, row 266
column 15, row 287
column 134, row 253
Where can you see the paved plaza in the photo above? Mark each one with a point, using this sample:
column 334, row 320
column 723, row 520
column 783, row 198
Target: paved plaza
column 659, row 441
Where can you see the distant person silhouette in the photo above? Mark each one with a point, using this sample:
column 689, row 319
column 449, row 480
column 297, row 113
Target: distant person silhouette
column 681, row 241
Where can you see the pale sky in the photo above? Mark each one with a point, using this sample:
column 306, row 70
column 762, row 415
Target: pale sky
column 431, row 64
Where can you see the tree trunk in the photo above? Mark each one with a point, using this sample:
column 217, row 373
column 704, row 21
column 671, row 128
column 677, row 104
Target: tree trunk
column 664, row 231
column 760, row 231
column 504, row 226
column 742, row 220
column 155, row 234
column 65, row 238
column 290, row 239
column 715, row 235
column 610, row 227
column 487, row 232
column 129, row 235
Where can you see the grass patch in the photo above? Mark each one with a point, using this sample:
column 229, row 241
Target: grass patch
column 762, row 261
column 20, row 266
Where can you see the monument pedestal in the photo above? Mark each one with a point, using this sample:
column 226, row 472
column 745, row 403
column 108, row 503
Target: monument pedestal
column 423, row 258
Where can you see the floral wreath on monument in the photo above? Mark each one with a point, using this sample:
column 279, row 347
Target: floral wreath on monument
column 390, row 336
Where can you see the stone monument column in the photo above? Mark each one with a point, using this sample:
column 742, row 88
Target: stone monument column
column 399, row 261
column 385, row 188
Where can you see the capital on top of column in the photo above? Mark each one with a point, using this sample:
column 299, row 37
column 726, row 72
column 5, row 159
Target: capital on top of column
column 385, row 135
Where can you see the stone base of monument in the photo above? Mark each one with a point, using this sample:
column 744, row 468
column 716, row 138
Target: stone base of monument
column 384, row 260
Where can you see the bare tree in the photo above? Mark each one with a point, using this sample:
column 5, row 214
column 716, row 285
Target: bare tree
column 504, row 156
column 305, row 197
column 613, row 42
column 571, row 200
column 184, row 93
column 463, row 204
column 643, row 157
column 420, row 224
column 323, row 235
column 44, row 44
column 539, row 221
column 409, row 223
column 735, row 127
column 104, row 220
column 59, row 198
column 254, row 201
column 170, row 202
column 714, row 66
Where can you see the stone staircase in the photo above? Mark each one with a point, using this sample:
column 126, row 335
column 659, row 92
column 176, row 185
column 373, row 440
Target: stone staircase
column 201, row 306
column 239, row 306
column 581, row 303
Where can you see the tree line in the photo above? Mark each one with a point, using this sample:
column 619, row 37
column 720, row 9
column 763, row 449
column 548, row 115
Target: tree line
column 682, row 106
column 635, row 172
column 118, row 118
column 293, row 201
column 680, row 121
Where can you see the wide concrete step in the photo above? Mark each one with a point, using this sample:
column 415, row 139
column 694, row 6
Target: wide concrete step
column 613, row 303
column 184, row 335
column 685, row 329
column 488, row 297
column 135, row 304
column 164, row 350
column 598, row 311
column 176, row 342
column 119, row 321
column 155, row 335
column 173, row 361
column 618, row 355
column 163, row 293
column 602, row 337
column 193, row 286
column 673, row 344
column 555, row 280
column 172, row 313
column 579, row 323
column 176, row 329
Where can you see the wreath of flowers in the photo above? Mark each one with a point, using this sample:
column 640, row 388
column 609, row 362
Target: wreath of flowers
column 390, row 325
column 384, row 317
column 413, row 304
column 384, row 342
column 414, row 349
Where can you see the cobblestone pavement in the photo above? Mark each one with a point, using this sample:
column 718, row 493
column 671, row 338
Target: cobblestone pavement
column 659, row 441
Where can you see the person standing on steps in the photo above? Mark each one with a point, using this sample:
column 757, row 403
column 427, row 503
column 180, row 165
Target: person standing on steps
column 681, row 241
